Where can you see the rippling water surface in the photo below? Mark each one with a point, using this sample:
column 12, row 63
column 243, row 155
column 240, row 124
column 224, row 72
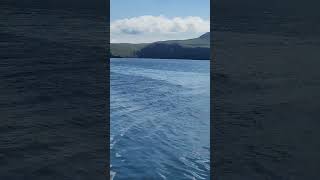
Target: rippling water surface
column 160, row 119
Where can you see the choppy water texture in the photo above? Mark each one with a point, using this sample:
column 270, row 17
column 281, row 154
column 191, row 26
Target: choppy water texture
column 53, row 92
column 160, row 119
column 266, row 107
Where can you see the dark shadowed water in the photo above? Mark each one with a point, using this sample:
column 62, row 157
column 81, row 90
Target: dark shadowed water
column 266, row 107
column 160, row 119
column 52, row 94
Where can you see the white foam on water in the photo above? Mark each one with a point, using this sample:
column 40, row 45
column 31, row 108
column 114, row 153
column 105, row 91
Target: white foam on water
column 112, row 175
column 162, row 176
column 118, row 155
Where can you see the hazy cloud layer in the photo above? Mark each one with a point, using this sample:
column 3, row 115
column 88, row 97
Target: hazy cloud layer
column 155, row 28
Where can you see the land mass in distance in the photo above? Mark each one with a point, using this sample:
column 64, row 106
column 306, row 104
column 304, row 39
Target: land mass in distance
column 197, row 48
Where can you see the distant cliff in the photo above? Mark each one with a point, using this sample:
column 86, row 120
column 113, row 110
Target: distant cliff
column 197, row 48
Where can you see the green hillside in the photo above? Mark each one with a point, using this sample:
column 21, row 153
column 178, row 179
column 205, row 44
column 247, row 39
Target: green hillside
column 125, row 49
column 197, row 48
column 202, row 41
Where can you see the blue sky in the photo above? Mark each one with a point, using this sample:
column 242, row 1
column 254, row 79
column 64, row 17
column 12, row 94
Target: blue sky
column 137, row 21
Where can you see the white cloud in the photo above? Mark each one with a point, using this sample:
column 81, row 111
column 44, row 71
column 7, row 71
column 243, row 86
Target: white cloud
column 155, row 28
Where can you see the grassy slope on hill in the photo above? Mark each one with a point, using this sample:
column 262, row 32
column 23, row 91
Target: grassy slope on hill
column 196, row 48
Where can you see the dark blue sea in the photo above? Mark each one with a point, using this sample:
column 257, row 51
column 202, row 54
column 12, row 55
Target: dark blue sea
column 53, row 111
column 160, row 119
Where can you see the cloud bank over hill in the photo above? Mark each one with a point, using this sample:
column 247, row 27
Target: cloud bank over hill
column 157, row 28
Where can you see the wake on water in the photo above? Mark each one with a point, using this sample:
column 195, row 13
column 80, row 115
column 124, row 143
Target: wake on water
column 159, row 119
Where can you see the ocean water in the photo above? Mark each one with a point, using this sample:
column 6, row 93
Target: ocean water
column 160, row 119
column 53, row 92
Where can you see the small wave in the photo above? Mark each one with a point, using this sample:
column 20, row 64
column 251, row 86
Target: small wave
column 162, row 176
column 118, row 155
column 112, row 175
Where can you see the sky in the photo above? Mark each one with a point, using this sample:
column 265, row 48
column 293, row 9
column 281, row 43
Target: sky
column 144, row 21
